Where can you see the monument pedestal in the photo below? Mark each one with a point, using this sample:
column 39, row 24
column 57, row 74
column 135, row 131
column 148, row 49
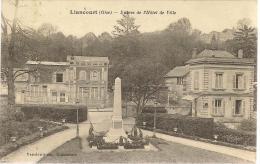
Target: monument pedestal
column 116, row 131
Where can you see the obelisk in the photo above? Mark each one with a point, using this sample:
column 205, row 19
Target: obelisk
column 116, row 130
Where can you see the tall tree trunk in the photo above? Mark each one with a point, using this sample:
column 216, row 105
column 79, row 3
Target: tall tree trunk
column 11, row 87
column 11, row 53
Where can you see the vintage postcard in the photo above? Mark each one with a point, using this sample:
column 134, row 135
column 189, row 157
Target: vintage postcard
column 126, row 81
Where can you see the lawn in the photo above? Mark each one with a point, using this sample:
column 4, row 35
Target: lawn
column 168, row 152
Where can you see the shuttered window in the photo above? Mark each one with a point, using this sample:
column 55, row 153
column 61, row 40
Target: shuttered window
column 219, row 81
column 196, row 81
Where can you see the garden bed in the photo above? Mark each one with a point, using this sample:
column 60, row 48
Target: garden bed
column 212, row 141
column 25, row 132
column 194, row 128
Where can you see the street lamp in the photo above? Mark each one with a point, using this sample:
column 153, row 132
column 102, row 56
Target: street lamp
column 77, row 131
column 154, row 118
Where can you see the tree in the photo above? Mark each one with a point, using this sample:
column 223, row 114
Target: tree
column 47, row 29
column 16, row 46
column 245, row 39
column 125, row 26
column 242, row 22
column 214, row 42
column 182, row 26
column 142, row 79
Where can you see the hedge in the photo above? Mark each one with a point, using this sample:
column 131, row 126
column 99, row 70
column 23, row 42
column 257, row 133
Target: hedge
column 151, row 109
column 192, row 126
column 56, row 112
column 235, row 136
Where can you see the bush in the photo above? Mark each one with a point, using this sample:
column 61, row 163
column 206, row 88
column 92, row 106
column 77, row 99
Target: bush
column 107, row 145
column 56, row 112
column 192, row 126
column 134, row 145
column 19, row 116
column 235, row 136
column 248, row 125
column 151, row 109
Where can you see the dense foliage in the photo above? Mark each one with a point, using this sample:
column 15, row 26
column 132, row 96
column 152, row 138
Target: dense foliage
column 56, row 112
column 191, row 126
column 235, row 136
column 151, row 109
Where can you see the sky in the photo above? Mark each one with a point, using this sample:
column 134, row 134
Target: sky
column 206, row 16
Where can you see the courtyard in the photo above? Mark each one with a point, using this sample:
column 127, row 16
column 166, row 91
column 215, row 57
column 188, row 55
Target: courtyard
column 70, row 152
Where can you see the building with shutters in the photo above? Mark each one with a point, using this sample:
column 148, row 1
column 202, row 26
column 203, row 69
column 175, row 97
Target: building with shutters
column 218, row 84
column 80, row 79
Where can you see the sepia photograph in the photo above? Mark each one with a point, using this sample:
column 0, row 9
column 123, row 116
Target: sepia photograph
column 127, row 81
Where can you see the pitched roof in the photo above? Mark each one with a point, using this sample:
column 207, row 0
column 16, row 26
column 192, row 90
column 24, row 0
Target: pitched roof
column 47, row 63
column 178, row 71
column 219, row 57
column 215, row 54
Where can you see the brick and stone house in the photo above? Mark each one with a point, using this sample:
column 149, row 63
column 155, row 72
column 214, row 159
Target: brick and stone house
column 219, row 85
column 80, row 79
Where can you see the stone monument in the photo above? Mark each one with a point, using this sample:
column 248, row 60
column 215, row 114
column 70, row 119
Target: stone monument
column 116, row 130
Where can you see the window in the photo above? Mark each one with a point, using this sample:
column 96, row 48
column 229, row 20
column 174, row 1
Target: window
column 102, row 94
column 71, row 75
column 238, row 107
column 184, row 85
column 54, row 96
column 82, row 75
column 219, row 81
column 44, row 90
column 218, row 107
column 179, row 80
column 32, row 79
column 94, row 92
column 238, row 81
column 62, row 97
column 196, row 81
column 83, row 94
column 205, row 105
column 94, row 76
column 35, row 91
column 59, row 77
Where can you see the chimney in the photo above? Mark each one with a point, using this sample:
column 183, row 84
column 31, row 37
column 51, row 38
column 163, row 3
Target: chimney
column 194, row 52
column 240, row 53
